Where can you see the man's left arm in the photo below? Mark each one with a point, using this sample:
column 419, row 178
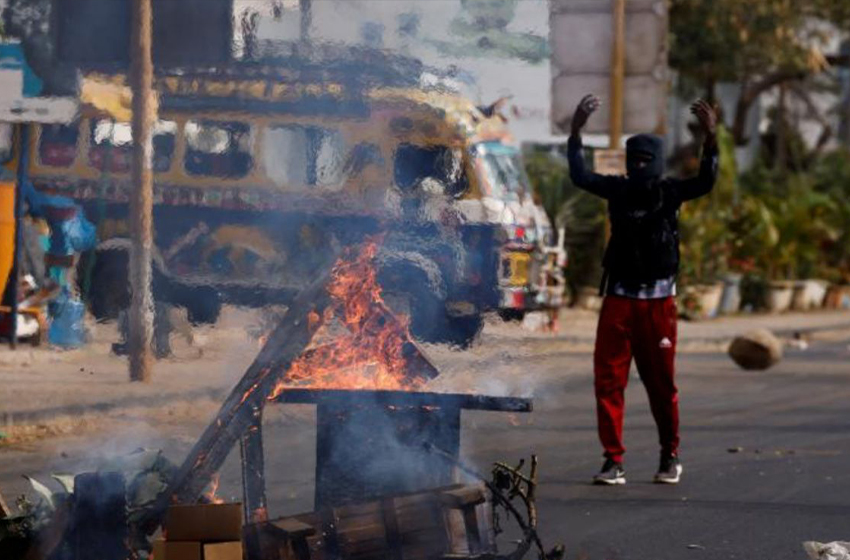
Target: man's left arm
column 703, row 183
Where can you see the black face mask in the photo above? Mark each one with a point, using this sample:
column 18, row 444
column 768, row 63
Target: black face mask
column 645, row 157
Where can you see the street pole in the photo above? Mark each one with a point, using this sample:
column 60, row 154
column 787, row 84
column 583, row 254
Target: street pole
column 15, row 275
column 618, row 71
column 141, row 198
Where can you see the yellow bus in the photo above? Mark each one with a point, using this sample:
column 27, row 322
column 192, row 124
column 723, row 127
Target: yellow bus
column 260, row 179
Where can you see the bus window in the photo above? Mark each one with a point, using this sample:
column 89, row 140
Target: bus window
column 58, row 144
column 113, row 142
column 303, row 156
column 441, row 163
column 218, row 149
column 164, row 135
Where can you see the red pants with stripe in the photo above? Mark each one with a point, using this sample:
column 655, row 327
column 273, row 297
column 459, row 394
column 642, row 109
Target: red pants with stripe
column 643, row 329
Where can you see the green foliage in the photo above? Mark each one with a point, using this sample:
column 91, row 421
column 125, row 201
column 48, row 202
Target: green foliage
column 769, row 223
column 754, row 292
column 791, row 225
column 735, row 40
column 831, row 177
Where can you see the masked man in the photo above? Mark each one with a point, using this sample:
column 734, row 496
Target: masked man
column 638, row 317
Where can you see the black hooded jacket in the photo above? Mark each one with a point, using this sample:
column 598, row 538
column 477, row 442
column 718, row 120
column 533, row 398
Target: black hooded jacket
column 644, row 244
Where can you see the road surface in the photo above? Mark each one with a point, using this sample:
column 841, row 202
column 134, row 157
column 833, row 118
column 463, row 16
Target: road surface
column 785, row 480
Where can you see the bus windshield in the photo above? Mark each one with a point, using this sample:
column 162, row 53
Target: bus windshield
column 503, row 171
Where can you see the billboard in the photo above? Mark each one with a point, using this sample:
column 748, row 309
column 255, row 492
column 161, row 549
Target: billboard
column 581, row 34
column 93, row 33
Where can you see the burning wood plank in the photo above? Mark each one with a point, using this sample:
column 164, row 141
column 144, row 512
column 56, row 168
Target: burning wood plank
column 236, row 415
column 253, row 471
column 348, row 291
column 374, row 337
column 407, row 399
column 361, row 371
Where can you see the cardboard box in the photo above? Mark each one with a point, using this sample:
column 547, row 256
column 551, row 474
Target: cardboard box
column 204, row 523
column 176, row 550
column 223, row 551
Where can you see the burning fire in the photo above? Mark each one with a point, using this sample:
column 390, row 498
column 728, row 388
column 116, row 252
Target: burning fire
column 211, row 495
column 370, row 352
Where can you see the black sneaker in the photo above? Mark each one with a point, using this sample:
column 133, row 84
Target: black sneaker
column 612, row 473
column 669, row 471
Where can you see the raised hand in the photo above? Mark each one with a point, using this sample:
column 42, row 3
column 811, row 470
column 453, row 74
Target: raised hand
column 706, row 115
column 586, row 107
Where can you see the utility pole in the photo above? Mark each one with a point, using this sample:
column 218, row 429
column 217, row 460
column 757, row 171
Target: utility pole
column 141, row 198
column 15, row 274
column 618, row 71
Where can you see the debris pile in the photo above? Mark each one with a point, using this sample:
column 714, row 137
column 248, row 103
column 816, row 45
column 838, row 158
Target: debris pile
column 93, row 511
column 387, row 465
column 454, row 520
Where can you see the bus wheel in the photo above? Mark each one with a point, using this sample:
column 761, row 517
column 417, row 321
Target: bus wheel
column 203, row 303
column 512, row 315
column 430, row 322
column 108, row 290
column 204, row 310
column 407, row 292
column 461, row 332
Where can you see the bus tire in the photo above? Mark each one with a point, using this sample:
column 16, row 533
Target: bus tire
column 204, row 310
column 512, row 315
column 109, row 286
column 462, row 332
column 202, row 303
column 407, row 290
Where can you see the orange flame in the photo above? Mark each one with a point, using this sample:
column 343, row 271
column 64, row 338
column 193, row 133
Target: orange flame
column 211, row 495
column 370, row 353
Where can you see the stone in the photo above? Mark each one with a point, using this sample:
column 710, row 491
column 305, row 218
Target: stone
column 758, row 349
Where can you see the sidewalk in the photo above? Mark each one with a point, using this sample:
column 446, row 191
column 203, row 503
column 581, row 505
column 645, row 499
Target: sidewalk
column 37, row 384
column 580, row 325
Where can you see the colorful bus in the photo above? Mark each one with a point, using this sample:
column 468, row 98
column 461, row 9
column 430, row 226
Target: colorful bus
column 260, row 180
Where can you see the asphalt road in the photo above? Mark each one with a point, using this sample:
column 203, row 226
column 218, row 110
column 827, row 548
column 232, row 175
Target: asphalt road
column 787, row 482
column 790, row 481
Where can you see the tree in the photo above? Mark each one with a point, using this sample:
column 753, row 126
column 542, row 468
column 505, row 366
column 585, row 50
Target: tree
column 759, row 44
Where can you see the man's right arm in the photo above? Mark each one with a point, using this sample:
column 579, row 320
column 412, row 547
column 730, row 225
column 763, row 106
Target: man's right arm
column 601, row 185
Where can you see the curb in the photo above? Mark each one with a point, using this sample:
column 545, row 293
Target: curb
column 724, row 338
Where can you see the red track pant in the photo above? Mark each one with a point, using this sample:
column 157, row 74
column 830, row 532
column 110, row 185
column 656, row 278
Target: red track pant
column 645, row 330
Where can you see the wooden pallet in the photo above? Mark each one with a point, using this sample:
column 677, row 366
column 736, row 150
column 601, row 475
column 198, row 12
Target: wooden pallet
column 453, row 521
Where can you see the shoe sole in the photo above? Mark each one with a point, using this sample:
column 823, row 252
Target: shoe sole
column 609, row 482
column 662, row 480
